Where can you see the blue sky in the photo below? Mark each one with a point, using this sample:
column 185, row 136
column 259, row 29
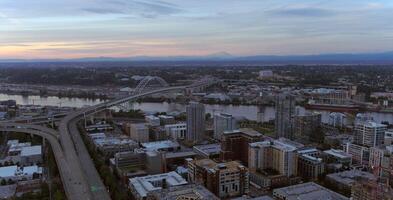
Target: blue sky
column 120, row 28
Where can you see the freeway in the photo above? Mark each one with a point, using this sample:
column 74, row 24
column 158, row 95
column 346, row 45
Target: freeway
column 74, row 186
column 75, row 149
column 78, row 173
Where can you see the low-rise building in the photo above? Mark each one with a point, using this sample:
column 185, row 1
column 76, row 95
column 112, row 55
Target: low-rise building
column 176, row 131
column 183, row 192
column 16, row 173
column 152, row 120
column 141, row 186
column 344, row 180
column 163, row 145
column 306, row 191
column 208, row 150
column 337, row 159
column 111, row 145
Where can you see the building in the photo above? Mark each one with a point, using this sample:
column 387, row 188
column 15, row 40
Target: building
column 279, row 155
column 336, row 159
column 344, row 180
column 285, row 113
column 16, row 173
column 379, row 162
column 254, row 198
column 388, row 137
column 310, row 165
column 183, row 192
column 163, row 145
column 365, row 189
column 139, row 132
column 176, row 131
column 31, row 155
column 153, row 162
column 141, row 186
column 166, row 119
column 111, row 145
column 330, row 96
column 208, row 150
column 152, row 120
column 195, row 122
column 234, row 144
column 229, row 179
column 338, row 120
column 223, row 122
column 306, row 191
column 23, row 153
column 369, row 133
column 360, row 154
column 307, row 127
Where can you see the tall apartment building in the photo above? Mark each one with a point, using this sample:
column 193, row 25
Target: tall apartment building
column 225, row 180
column 369, row 133
column 307, row 127
column 234, row 144
column 285, row 112
column 279, row 155
column 223, row 122
column 195, row 122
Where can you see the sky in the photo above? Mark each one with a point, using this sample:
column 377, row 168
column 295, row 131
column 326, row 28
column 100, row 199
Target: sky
column 32, row 29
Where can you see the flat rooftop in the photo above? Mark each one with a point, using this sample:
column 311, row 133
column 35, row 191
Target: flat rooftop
column 338, row 153
column 31, row 150
column 209, row 149
column 348, row 177
column 160, row 144
column 307, row 191
column 146, row 184
column 192, row 191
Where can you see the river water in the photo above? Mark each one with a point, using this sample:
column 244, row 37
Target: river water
column 249, row 112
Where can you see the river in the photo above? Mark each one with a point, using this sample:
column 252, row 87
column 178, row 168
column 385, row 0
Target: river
column 249, row 112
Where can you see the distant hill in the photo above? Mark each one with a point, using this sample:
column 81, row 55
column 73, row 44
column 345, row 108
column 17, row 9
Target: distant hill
column 359, row 58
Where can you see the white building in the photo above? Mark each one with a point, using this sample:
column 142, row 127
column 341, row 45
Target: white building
column 338, row 120
column 176, row 131
column 223, row 122
column 369, row 133
column 16, row 173
column 163, row 145
column 141, row 186
column 152, row 120
column 23, row 153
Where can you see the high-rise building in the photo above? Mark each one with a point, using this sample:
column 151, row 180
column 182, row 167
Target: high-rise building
column 225, row 180
column 223, row 122
column 285, row 112
column 195, row 122
column 307, row 127
column 369, row 133
column 234, row 144
column 279, row 155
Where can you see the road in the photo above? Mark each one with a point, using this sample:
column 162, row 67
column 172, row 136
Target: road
column 74, row 185
column 78, row 173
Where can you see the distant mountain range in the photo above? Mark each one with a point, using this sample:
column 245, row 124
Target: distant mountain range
column 344, row 58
